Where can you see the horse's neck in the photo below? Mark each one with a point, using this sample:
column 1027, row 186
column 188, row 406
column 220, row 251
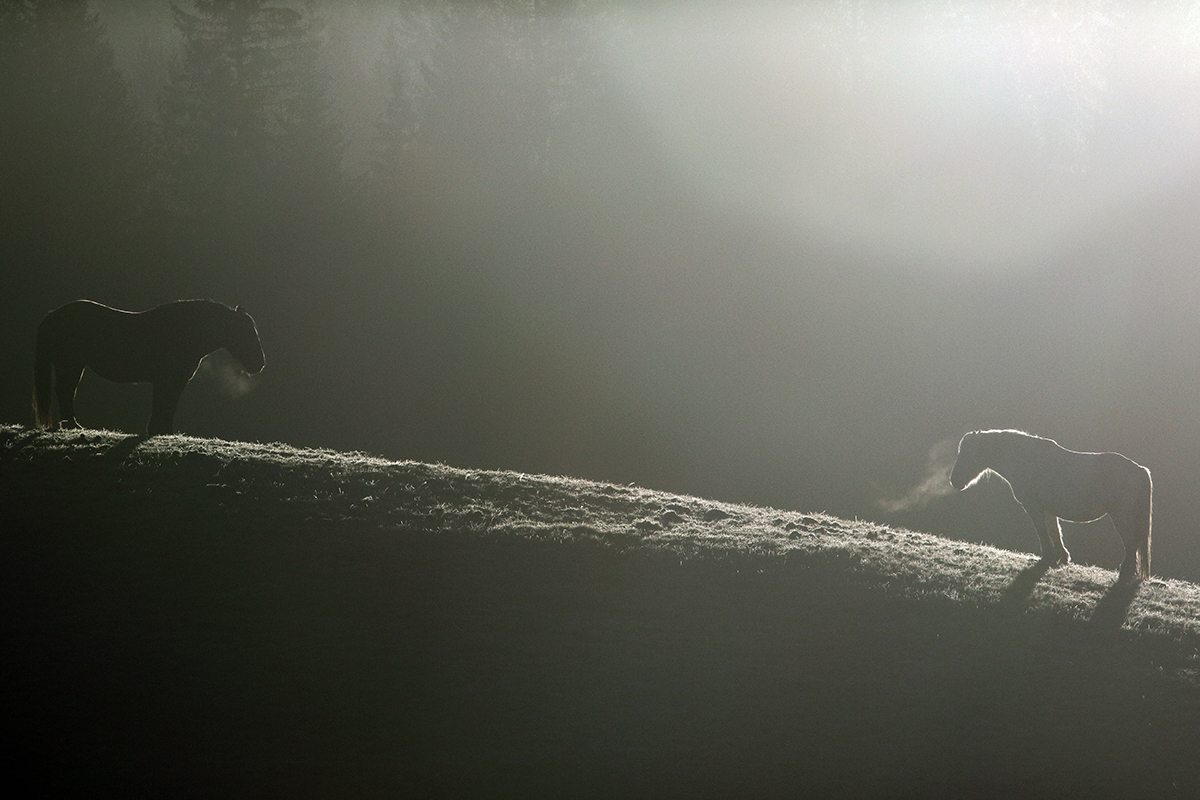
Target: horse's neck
column 194, row 332
column 1019, row 455
column 1000, row 459
column 212, row 332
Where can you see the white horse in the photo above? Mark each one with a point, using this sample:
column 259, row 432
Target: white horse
column 1053, row 483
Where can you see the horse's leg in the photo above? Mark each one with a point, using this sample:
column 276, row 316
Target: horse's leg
column 1134, row 527
column 66, row 381
column 1143, row 515
column 1130, row 565
column 1058, row 551
column 1049, row 536
column 163, row 403
column 1038, row 518
column 1144, row 550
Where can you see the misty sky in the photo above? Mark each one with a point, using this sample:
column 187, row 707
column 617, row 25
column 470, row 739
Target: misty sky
column 956, row 136
column 761, row 252
column 963, row 134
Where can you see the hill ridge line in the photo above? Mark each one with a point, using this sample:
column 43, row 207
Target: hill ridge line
column 247, row 481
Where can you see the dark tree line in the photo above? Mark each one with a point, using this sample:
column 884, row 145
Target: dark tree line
column 98, row 192
column 208, row 194
column 246, row 123
column 75, row 168
column 233, row 181
column 245, row 139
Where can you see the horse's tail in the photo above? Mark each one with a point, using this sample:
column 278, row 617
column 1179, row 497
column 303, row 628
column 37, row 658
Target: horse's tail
column 1144, row 544
column 41, row 383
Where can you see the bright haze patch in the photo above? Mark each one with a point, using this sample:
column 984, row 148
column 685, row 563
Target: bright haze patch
column 984, row 135
column 933, row 485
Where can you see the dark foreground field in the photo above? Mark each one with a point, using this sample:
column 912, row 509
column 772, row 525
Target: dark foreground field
column 194, row 617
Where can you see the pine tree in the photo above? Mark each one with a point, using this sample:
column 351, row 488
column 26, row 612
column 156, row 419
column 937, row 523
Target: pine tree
column 490, row 86
column 405, row 83
column 74, row 170
column 246, row 120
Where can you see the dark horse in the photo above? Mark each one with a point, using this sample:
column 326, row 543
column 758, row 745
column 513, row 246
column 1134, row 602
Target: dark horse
column 162, row 346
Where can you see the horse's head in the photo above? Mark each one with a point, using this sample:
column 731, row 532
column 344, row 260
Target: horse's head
column 970, row 462
column 243, row 344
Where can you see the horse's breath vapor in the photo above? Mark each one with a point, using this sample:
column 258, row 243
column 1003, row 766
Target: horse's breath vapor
column 934, row 484
column 221, row 370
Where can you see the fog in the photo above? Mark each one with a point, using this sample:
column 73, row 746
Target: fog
column 776, row 253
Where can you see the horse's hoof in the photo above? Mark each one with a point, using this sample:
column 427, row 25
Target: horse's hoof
column 1128, row 577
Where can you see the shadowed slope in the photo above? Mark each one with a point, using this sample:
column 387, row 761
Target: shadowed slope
column 215, row 615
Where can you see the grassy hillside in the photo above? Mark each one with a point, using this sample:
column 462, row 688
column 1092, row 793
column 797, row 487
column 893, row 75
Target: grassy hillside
column 194, row 616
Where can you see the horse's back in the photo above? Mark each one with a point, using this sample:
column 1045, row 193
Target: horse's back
column 1074, row 485
column 84, row 317
column 110, row 341
column 1115, row 482
column 77, row 310
column 80, row 323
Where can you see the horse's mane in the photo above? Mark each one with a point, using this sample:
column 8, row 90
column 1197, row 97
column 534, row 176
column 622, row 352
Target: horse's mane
column 199, row 305
column 990, row 432
column 1008, row 430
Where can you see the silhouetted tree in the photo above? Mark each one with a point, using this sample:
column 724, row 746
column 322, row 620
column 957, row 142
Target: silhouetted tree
column 74, row 172
column 406, row 81
column 543, row 56
column 246, row 119
column 484, row 89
